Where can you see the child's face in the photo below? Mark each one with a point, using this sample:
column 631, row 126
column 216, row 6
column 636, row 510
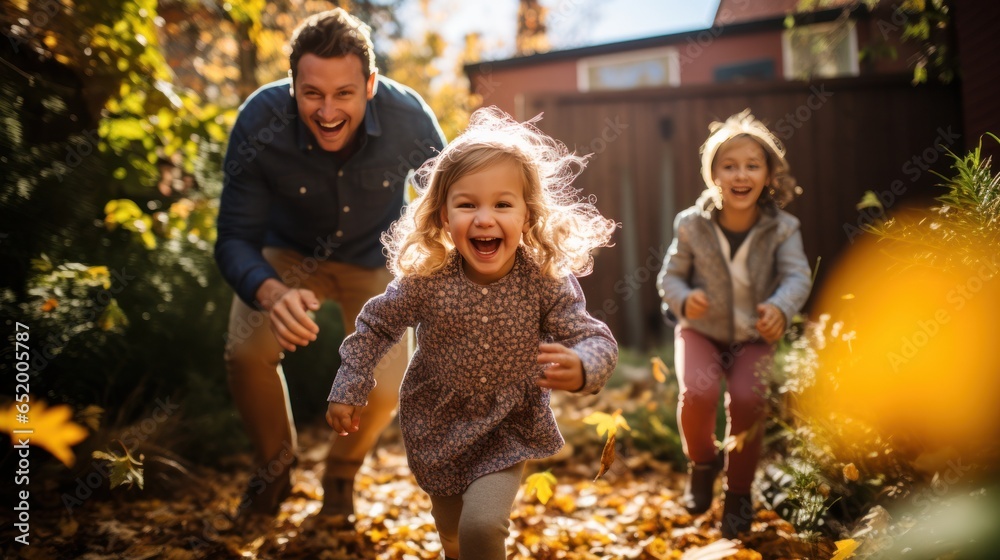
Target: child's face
column 740, row 171
column 485, row 214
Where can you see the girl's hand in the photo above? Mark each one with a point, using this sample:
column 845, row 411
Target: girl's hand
column 343, row 418
column 696, row 304
column 770, row 322
column 564, row 370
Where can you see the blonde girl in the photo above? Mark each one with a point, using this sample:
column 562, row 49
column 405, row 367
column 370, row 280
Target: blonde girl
column 484, row 262
column 734, row 276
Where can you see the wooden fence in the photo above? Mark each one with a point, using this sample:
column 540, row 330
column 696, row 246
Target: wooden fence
column 843, row 137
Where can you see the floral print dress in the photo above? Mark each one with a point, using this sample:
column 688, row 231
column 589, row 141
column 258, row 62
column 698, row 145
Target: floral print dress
column 468, row 404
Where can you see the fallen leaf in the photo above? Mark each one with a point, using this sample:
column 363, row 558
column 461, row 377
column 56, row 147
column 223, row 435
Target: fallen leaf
column 540, row 484
column 722, row 548
column 608, row 456
column 851, row 472
column 49, row 305
column 124, row 469
column 68, row 527
column 845, row 549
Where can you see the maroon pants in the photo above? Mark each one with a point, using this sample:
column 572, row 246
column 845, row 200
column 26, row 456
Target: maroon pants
column 701, row 364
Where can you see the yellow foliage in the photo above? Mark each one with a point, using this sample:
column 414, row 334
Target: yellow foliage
column 659, row 369
column 51, row 428
column 100, row 273
column 607, row 422
column 911, row 324
column 541, row 485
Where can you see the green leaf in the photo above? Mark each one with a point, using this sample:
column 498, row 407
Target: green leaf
column 870, row 200
column 113, row 318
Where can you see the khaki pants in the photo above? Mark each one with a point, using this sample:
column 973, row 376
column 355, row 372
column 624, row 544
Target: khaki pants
column 258, row 384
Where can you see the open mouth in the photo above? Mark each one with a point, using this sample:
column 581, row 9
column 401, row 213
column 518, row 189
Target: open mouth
column 486, row 246
column 741, row 190
column 332, row 127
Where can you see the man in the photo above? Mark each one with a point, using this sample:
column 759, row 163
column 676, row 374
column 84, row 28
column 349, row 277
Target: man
column 314, row 173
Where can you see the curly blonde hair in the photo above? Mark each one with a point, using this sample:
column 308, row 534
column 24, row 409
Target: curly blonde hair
column 782, row 189
column 563, row 228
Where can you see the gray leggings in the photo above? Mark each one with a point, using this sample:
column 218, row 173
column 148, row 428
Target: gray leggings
column 477, row 521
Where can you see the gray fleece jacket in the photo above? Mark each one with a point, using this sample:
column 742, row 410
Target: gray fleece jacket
column 779, row 271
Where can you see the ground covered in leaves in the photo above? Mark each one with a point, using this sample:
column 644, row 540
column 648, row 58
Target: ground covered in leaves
column 630, row 513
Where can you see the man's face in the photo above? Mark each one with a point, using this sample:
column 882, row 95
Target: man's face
column 331, row 94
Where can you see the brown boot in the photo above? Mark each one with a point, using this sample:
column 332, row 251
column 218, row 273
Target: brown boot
column 338, row 487
column 737, row 514
column 700, row 485
column 265, row 492
column 338, row 497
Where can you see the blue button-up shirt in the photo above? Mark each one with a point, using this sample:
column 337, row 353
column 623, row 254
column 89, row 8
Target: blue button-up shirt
column 280, row 189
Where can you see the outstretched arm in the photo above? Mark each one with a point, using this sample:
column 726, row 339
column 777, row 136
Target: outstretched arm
column 381, row 324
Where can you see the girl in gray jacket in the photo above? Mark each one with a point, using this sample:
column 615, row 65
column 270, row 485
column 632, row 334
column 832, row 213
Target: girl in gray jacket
column 734, row 276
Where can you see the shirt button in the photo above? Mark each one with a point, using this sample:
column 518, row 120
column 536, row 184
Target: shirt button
column 485, row 291
column 302, row 190
column 482, row 379
column 340, row 233
column 385, row 183
column 340, row 173
column 485, row 319
column 347, row 208
column 310, row 147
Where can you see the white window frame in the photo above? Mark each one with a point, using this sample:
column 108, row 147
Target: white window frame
column 673, row 71
column 787, row 54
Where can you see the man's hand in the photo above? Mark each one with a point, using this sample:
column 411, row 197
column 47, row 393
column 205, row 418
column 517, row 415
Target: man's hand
column 770, row 322
column 343, row 418
column 287, row 308
column 696, row 305
column 565, row 369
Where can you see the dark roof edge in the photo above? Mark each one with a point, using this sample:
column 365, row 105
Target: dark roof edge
column 768, row 24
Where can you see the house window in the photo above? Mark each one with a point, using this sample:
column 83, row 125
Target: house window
column 823, row 50
column 638, row 69
column 745, row 71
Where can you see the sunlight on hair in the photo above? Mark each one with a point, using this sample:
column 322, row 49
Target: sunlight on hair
column 922, row 365
column 565, row 227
